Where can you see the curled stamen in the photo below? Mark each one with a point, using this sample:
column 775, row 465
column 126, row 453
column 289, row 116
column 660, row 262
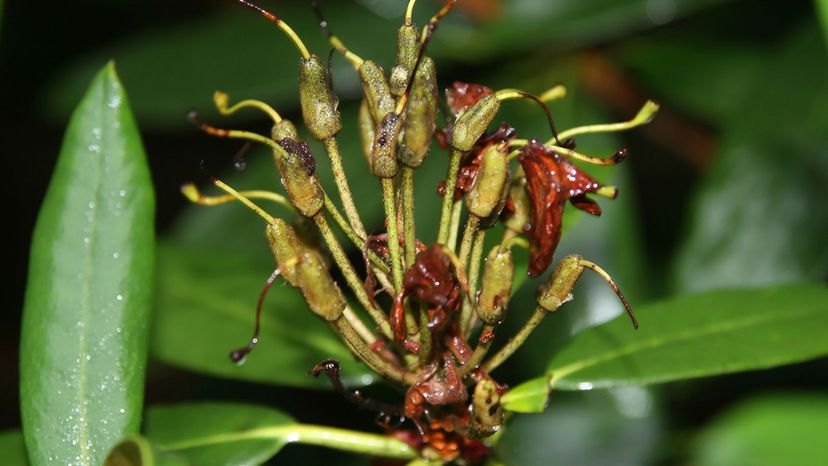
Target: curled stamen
column 331, row 368
column 603, row 274
column 282, row 25
column 644, row 116
column 221, row 100
column 506, row 94
column 238, row 355
column 193, row 116
column 333, row 38
column 192, row 193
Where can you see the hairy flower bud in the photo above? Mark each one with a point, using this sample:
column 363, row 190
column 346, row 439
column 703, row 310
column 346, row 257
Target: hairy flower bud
column 557, row 291
column 375, row 88
column 486, row 413
column 472, row 123
column 498, row 275
column 487, row 191
column 384, row 148
column 298, row 170
column 408, row 42
column 304, row 268
column 283, row 129
column 319, row 104
column 420, row 115
column 367, row 129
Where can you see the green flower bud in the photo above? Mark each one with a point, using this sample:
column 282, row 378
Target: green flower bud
column 384, row 148
column 520, row 218
column 375, row 87
column 420, row 115
column 498, row 275
column 320, row 291
column 286, row 248
column 486, row 415
column 283, row 129
column 367, row 128
column 304, row 268
column 472, row 123
column 319, row 104
column 487, row 191
column 408, row 46
column 297, row 168
column 557, row 291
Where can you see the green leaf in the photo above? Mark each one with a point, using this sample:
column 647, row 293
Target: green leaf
column 234, row 49
column 225, row 434
column 770, row 430
column 206, row 307
column 619, row 427
column 12, row 448
column 690, row 336
column 88, row 298
column 822, row 12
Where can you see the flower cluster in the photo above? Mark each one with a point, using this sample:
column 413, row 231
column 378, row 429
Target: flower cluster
column 435, row 338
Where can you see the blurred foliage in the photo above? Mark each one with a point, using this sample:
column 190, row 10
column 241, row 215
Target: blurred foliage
column 725, row 189
column 772, row 429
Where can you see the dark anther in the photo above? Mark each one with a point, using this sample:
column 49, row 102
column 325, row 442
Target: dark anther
column 332, row 370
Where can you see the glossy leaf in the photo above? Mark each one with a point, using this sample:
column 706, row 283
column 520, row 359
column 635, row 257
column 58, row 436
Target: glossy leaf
column 88, row 299
column 225, row 434
column 689, row 336
column 12, row 448
column 618, row 427
column 770, row 430
column 206, row 307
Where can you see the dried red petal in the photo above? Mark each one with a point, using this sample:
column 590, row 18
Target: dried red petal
column 551, row 180
column 462, row 95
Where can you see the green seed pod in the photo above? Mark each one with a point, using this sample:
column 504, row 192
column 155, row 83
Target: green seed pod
column 498, row 275
column 283, row 129
column 298, row 168
column 320, row 291
column 487, row 190
column 375, row 88
column 420, row 115
column 563, row 278
column 319, row 104
column 367, row 128
column 384, row 148
column 472, row 123
column 286, row 248
column 305, row 269
column 519, row 220
column 487, row 415
column 408, row 46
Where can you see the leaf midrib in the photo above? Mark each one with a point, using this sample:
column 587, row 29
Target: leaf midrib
column 562, row 372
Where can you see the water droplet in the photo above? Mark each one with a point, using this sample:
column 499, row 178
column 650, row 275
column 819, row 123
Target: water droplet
column 86, row 240
column 116, row 255
column 118, row 330
column 122, row 193
column 122, row 410
column 120, row 297
column 91, row 204
column 94, row 148
column 114, row 101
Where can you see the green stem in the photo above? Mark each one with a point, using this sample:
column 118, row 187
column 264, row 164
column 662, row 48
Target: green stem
column 467, row 315
column 425, row 335
column 308, row 434
column 332, row 147
column 376, row 261
column 516, row 341
column 454, row 225
column 469, row 235
column 390, row 203
column 448, row 197
column 360, row 348
column 409, row 230
column 350, row 274
column 479, row 352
